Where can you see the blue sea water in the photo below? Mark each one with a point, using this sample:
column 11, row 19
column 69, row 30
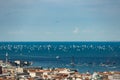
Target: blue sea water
column 85, row 56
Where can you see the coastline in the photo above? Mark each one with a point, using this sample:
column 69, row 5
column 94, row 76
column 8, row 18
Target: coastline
column 9, row 72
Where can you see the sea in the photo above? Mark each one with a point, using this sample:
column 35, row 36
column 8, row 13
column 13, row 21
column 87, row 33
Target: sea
column 81, row 56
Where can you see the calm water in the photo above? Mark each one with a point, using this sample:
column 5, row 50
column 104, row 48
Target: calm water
column 86, row 56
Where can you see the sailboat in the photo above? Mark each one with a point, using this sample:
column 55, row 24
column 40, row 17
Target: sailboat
column 57, row 57
column 72, row 62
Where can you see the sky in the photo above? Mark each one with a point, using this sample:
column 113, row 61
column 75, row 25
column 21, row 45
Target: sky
column 59, row 20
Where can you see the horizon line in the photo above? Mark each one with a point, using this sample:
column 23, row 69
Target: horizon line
column 62, row 41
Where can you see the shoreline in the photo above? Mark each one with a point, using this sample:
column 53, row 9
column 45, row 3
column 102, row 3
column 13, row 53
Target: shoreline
column 10, row 72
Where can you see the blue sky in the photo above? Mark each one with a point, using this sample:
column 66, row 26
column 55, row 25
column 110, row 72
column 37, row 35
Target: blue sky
column 59, row 20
